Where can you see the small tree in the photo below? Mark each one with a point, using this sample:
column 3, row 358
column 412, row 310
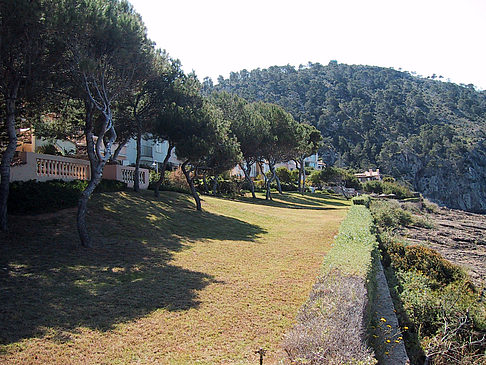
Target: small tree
column 153, row 92
column 207, row 144
column 247, row 126
column 309, row 141
column 104, row 42
column 175, row 114
column 279, row 141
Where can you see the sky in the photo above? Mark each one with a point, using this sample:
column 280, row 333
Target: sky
column 216, row 37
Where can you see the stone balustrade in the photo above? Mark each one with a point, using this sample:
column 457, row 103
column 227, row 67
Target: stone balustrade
column 41, row 167
column 126, row 174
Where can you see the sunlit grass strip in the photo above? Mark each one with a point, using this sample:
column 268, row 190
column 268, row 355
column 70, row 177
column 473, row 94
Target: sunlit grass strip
column 331, row 326
column 353, row 248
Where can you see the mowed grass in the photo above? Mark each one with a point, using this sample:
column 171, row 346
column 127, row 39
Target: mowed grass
column 164, row 283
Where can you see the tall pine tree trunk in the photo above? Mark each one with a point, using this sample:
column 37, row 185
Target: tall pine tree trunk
column 299, row 182
column 97, row 163
column 279, row 186
column 190, row 181
column 268, row 195
column 205, row 183
column 118, row 149
column 162, row 170
column 215, row 185
column 136, row 174
column 247, row 171
column 302, row 166
column 8, row 155
column 96, row 174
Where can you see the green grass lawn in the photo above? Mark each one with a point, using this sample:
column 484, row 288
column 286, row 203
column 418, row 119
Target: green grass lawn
column 164, row 283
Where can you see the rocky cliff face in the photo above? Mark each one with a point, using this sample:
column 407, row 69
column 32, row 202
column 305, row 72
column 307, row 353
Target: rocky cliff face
column 459, row 184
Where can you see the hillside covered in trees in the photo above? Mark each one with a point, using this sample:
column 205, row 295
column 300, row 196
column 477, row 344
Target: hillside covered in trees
column 427, row 132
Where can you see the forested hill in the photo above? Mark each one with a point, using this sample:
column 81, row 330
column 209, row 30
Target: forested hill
column 423, row 130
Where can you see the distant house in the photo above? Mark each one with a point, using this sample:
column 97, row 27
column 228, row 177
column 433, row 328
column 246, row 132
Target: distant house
column 153, row 153
column 369, row 175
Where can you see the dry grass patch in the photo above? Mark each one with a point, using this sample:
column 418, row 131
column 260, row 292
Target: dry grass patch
column 167, row 285
column 331, row 326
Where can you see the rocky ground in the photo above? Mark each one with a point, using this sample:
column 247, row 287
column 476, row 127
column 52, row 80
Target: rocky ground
column 459, row 236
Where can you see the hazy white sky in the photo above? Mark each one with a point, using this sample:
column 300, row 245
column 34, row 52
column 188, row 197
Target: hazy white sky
column 215, row 37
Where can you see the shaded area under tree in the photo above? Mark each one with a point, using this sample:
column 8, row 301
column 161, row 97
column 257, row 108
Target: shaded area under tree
column 48, row 281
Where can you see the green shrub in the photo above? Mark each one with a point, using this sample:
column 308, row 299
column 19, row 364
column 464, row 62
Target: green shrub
column 438, row 303
column 388, row 187
column 33, row 197
column 426, row 261
column 155, row 176
column 284, row 175
column 430, row 207
column 48, row 149
column 109, row 186
column 259, row 184
column 362, row 200
column 284, row 186
column 294, row 176
column 389, row 214
column 231, row 187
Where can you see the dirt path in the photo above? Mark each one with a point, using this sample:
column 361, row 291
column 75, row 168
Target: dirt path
column 458, row 236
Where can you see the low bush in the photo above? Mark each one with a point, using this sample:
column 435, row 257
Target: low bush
column 440, row 306
column 285, row 186
column 284, row 174
column 389, row 215
column 108, row 186
column 173, row 181
column 362, row 200
column 33, row 197
column 388, row 187
column 424, row 260
column 230, row 187
column 430, row 207
column 331, row 326
column 334, row 176
column 259, row 185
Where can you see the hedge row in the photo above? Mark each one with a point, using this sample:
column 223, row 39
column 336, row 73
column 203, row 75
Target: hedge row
column 331, row 326
column 33, row 197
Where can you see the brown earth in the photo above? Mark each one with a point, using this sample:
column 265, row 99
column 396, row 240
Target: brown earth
column 458, row 236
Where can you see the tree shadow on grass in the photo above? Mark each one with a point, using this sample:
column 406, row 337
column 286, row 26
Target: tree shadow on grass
column 50, row 285
column 294, row 201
